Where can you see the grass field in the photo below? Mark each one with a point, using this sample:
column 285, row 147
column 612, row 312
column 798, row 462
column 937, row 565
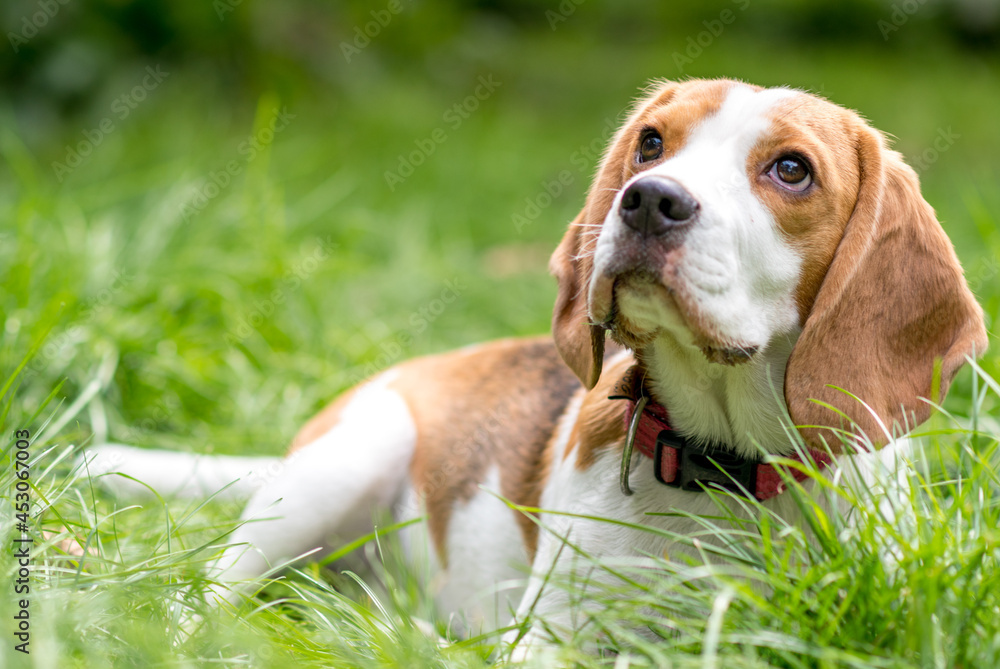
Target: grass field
column 202, row 282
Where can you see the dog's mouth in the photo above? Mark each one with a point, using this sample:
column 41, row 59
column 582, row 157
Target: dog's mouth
column 613, row 300
column 604, row 295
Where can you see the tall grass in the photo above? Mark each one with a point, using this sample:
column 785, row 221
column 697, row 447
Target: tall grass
column 904, row 579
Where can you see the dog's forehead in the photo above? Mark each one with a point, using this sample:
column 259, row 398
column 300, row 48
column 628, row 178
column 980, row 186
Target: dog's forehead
column 723, row 111
column 743, row 116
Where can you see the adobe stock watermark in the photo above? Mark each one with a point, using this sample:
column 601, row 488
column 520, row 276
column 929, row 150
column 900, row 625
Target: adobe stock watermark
column 945, row 139
column 562, row 13
column 263, row 309
column 155, row 421
column 224, row 7
column 74, row 332
column 900, row 14
column 364, row 34
column 696, row 44
column 477, row 439
column 392, row 348
column 211, row 186
column 121, row 108
column 35, row 22
column 582, row 160
column 453, row 118
column 984, row 273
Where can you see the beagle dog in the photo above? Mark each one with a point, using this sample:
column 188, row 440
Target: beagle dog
column 759, row 258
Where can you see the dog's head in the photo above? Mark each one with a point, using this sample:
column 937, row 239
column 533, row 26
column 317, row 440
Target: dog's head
column 727, row 217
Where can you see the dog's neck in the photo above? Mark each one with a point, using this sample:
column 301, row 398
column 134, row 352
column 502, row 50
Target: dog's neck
column 708, row 402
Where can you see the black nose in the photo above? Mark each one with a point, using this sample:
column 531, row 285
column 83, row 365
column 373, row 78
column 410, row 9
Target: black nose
column 654, row 205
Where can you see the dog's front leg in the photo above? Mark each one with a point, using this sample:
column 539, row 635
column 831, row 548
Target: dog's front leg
column 544, row 610
column 574, row 565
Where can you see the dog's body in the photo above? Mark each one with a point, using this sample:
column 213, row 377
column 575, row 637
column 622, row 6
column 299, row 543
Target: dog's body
column 749, row 248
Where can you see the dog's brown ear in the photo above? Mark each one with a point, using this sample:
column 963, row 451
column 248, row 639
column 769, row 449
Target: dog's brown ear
column 894, row 305
column 580, row 344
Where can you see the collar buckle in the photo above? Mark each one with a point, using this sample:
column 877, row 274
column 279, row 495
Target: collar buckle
column 699, row 467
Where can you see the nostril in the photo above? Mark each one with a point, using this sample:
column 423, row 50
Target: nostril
column 632, row 200
column 679, row 208
column 665, row 206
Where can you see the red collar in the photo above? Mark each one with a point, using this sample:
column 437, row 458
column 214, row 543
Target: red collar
column 683, row 464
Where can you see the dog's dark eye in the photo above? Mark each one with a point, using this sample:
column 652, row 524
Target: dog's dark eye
column 791, row 173
column 651, row 147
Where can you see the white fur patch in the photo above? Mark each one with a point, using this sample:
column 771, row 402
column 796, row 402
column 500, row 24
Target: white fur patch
column 328, row 491
column 486, row 558
column 737, row 271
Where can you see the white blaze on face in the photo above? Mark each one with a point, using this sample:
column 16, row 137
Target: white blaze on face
column 735, row 268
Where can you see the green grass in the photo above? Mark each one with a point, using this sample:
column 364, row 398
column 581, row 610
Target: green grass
column 137, row 316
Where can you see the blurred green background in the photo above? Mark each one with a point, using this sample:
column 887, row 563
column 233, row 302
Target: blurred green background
column 220, row 213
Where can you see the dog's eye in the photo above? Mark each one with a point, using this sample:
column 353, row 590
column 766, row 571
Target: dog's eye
column 651, row 147
column 791, row 173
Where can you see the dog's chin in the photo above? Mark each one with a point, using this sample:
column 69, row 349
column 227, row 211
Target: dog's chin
column 639, row 331
column 607, row 295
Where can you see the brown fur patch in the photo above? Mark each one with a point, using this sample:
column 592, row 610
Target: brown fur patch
column 495, row 405
column 600, row 423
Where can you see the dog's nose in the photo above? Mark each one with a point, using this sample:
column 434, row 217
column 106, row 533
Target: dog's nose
column 654, row 205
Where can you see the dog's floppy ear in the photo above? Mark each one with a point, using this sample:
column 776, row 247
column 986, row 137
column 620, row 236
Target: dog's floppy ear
column 893, row 305
column 580, row 343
